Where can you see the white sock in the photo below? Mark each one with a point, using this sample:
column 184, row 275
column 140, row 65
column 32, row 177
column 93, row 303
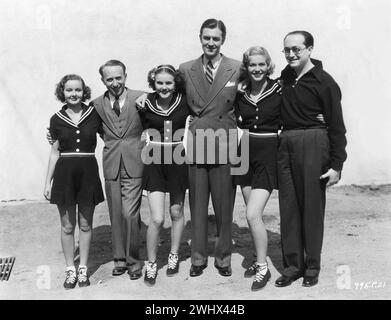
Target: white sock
column 262, row 267
column 71, row 268
column 82, row 267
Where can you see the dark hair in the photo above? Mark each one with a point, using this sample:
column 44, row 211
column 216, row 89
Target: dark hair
column 308, row 38
column 178, row 79
column 253, row 51
column 112, row 63
column 59, row 92
column 212, row 24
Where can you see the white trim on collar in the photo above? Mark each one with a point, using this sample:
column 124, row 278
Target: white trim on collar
column 164, row 113
column 69, row 121
column 262, row 96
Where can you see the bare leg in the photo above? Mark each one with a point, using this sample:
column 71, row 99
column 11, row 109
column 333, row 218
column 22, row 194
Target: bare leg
column 68, row 222
column 156, row 207
column 177, row 218
column 85, row 235
column 255, row 206
column 246, row 191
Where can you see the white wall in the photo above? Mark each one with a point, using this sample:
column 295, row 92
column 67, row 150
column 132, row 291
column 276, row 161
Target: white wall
column 42, row 40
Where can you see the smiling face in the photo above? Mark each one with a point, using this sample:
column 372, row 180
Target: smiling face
column 73, row 92
column 164, row 84
column 296, row 53
column 257, row 68
column 114, row 79
column 211, row 41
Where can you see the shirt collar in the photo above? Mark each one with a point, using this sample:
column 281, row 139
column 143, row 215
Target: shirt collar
column 121, row 97
column 151, row 102
column 246, row 87
column 84, row 107
column 316, row 71
column 215, row 63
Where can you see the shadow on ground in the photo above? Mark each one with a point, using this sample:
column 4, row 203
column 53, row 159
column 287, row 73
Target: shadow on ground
column 101, row 248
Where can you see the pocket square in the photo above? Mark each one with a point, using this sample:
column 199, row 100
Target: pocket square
column 230, row 84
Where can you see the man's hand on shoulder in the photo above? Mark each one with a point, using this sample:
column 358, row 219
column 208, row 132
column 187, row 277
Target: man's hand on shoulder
column 140, row 102
column 49, row 137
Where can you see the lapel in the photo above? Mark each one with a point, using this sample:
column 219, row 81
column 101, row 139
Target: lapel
column 198, row 79
column 106, row 113
column 129, row 111
column 223, row 74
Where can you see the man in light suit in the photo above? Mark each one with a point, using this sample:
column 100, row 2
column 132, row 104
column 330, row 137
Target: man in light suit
column 211, row 82
column 122, row 166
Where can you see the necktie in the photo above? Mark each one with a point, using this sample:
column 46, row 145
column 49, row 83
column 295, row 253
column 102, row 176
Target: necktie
column 209, row 72
column 116, row 107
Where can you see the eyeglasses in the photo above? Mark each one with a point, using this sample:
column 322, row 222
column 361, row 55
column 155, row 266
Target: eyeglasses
column 295, row 50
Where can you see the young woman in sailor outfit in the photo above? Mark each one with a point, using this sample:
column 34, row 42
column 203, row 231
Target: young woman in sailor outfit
column 258, row 112
column 164, row 118
column 73, row 169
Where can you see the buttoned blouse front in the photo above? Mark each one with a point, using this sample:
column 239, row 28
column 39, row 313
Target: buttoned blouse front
column 262, row 115
column 167, row 122
column 76, row 138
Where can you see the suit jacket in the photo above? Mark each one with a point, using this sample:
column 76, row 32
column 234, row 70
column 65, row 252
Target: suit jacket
column 212, row 108
column 121, row 136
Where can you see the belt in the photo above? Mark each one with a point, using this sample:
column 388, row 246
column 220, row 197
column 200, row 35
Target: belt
column 261, row 135
column 305, row 128
column 77, row 154
column 173, row 143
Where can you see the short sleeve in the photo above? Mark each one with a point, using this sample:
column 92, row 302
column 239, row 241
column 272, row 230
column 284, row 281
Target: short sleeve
column 53, row 129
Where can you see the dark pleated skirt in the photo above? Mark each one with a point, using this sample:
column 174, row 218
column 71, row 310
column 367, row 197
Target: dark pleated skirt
column 262, row 173
column 76, row 181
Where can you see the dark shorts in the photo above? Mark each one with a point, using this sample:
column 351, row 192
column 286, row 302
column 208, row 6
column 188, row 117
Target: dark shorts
column 76, row 181
column 172, row 178
column 166, row 177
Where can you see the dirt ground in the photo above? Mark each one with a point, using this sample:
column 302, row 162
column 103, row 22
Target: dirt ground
column 356, row 258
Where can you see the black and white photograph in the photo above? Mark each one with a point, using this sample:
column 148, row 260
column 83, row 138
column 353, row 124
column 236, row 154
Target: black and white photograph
column 201, row 151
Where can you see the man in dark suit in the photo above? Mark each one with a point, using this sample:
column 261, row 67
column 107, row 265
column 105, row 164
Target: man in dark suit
column 122, row 166
column 211, row 82
column 310, row 157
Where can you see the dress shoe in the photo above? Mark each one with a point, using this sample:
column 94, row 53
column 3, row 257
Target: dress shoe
column 135, row 274
column 224, row 271
column 196, row 271
column 117, row 271
column 310, row 281
column 285, row 281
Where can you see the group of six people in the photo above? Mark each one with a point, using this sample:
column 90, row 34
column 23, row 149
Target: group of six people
column 291, row 133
